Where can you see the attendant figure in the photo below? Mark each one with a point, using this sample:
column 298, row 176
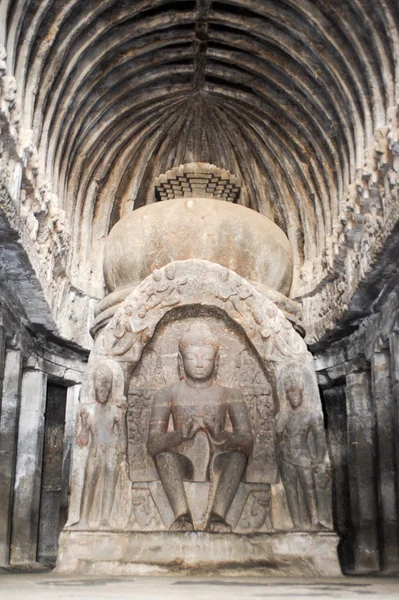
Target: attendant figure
column 298, row 463
column 105, row 432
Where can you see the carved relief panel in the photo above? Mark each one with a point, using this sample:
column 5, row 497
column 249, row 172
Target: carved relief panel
column 222, row 422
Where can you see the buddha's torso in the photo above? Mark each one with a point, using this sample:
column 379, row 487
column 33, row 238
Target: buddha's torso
column 188, row 402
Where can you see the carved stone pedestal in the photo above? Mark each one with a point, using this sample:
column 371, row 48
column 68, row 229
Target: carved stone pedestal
column 127, row 553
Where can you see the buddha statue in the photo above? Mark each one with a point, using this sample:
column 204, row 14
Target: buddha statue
column 197, row 403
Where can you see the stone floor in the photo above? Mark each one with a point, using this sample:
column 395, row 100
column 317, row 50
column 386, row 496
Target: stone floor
column 49, row 586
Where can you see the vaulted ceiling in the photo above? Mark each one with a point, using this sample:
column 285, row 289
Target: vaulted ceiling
column 286, row 94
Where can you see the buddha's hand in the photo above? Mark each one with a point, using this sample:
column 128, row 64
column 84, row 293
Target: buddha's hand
column 212, row 423
column 190, row 427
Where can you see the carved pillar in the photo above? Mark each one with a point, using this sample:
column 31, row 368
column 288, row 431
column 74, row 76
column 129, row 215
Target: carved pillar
column 8, row 446
column 337, row 431
column 388, row 492
column 362, row 471
column 28, row 468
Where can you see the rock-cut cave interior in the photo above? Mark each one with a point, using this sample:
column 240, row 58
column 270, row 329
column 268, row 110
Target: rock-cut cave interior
column 199, row 302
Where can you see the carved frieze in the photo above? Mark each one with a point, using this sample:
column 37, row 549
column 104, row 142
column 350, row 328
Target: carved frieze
column 43, row 222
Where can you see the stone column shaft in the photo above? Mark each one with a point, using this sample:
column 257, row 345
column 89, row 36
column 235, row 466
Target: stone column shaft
column 29, row 468
column 362, row 471
column 8, row 446
column 388, row 491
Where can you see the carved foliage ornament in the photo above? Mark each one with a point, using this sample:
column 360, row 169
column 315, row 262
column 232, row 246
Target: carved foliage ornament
column 184, row 283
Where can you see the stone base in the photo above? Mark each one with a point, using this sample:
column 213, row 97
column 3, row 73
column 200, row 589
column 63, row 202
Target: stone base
column 131, row 553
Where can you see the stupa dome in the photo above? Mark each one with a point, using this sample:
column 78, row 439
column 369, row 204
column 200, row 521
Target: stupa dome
column 196, row 217
column 229, row 234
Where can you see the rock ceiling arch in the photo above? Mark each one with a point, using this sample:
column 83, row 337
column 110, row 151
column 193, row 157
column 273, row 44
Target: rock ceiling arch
column 286, row 94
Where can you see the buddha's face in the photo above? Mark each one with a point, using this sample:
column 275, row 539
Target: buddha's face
column 224, row 275
column 199, row 361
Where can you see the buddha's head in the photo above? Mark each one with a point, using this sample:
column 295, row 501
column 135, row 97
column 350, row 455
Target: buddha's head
column 198, row 352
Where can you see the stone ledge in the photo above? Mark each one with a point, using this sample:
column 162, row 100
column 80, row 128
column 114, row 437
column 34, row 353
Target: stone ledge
column 128, row 553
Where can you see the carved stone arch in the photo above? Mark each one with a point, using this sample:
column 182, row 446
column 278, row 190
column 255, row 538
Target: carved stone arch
column 196, row 287
column 202, row 283
column 239, row 367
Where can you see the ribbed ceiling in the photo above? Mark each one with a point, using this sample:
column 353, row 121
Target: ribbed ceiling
column 286, row 94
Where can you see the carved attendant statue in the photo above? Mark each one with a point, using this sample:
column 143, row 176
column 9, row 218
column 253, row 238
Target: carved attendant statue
column 198, row 403
column 104, row 429
column 297, row 461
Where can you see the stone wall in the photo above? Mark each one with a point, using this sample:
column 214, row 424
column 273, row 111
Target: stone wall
column 359, row 376
column 30, row 366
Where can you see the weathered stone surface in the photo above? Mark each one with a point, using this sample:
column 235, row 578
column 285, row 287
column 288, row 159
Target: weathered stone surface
column 52, row 471
column 197, row 180
column 385, row 417
column 120, row 553
column 9, row 416
column 363, row 364
column 362, row 471
column 335, row 411
column 28, row 468
column 71, row 410
column 26, row 350
column 260, row 90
